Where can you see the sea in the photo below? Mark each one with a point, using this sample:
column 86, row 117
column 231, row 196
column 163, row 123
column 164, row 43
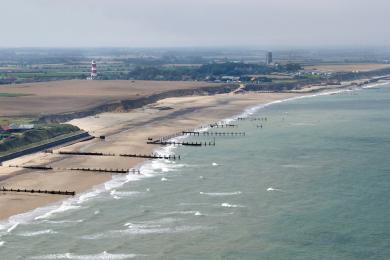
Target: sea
column 309, row 180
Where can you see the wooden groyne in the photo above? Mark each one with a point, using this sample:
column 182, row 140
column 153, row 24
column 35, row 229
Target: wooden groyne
column 159, row 142
column 83, row 153
column 252, row 118
column 258, row 119
column 144, row 156
column 54, row 192
column 83, row 169
column 98, row 170
column 214, row 133
column 166, row 157
column 33, row 167
column 223, row 126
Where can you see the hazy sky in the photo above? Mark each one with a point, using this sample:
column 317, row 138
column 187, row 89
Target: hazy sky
column 151, row 23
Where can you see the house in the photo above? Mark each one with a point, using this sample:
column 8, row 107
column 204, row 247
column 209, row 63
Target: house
column 21, row 127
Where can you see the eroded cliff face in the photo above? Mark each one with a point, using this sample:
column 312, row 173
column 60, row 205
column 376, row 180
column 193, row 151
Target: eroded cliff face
column 125, row 105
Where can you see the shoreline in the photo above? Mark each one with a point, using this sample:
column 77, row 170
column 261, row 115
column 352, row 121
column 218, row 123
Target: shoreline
column 100, row 184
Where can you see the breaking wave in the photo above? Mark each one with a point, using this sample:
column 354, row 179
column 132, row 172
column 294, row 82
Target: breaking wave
column 221, row 193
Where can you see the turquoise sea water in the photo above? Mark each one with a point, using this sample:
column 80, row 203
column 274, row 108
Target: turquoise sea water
column 313, row 183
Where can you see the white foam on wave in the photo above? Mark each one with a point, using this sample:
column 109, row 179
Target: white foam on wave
column 37, row 233
column 273, row 189
column 102, row 256
column 166, row 230
column 375, row 85
column 221, row 193
column 2, row 243
column 180, row 212
column 63, row 221
column 12, row 227
column 198, row 213
column 161, row 221
column 215, row 164
column 227, row 205
column 148, row 169
column 140, row 229
column 36, row 214
column 123, row 194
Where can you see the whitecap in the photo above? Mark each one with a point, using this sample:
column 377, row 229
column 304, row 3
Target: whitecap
column 221, row 193
column 12, row 227
column 37, row 233
column 139, row 230
column 227, row 205
column 102, row 256
column 215, row 164
column 120, row 194
column 182, row 212
column 273, row 189
column 198, row 214
column 167, row 230
column 164, row 179
column 63, row 221
column 65, row 206
column 133, row 225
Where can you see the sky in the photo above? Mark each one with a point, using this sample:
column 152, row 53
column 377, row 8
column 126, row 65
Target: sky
column 194, row 23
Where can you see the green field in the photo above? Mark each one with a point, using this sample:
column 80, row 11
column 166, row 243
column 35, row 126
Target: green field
column 41, row 134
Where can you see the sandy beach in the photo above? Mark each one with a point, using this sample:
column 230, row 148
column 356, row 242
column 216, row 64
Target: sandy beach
column 125, row 133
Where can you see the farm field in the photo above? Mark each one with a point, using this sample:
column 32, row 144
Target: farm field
column 347, row 67
column 36, row 99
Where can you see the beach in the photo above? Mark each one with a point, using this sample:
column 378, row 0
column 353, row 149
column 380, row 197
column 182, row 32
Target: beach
column 312, row 176
column 125, row 133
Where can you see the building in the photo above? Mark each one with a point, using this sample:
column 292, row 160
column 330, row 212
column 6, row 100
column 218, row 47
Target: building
column 93, row 71
column 18, row 127
column 268, row 58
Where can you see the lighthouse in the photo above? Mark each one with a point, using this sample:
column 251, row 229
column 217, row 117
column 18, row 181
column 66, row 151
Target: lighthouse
column 93, row 70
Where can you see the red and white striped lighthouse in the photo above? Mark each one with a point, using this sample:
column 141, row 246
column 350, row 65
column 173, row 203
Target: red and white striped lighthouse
column 93, row 70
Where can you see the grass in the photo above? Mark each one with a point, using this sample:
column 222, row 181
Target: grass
column 16, row 120
column 40, row 135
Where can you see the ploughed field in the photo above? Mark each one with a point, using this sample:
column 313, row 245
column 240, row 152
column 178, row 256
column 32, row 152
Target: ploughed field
column 347, row 67
column 56, row 97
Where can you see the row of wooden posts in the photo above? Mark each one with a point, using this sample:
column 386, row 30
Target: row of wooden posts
column 158, row 142
column 55, row 192
column 85, row 169
column 145, row 156
column 214, row 133
column 252, row 118
column 161, row 141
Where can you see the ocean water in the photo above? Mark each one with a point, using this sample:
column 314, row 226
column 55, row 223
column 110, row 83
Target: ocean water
column 312, row 183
